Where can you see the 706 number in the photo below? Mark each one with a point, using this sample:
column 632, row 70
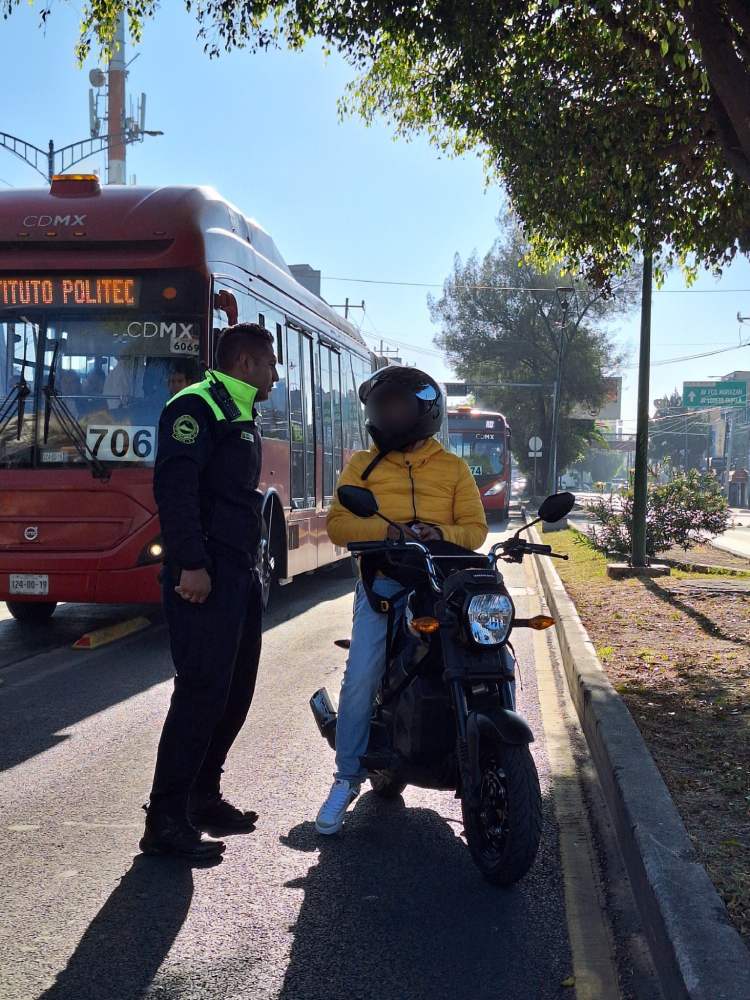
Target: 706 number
column 121, row 444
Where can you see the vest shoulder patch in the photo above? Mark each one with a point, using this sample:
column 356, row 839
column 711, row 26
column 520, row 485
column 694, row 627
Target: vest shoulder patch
column 185, row 429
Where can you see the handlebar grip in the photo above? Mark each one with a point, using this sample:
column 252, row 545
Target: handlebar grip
column 541, row 550
column 366, row 546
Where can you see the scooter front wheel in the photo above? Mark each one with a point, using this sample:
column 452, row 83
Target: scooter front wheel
column 504, row 831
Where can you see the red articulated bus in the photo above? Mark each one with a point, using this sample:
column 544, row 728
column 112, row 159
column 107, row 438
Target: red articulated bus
column 482, row 439
column 110, row 299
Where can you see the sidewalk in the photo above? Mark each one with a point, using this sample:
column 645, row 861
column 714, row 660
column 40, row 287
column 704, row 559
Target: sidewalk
column 736, row 541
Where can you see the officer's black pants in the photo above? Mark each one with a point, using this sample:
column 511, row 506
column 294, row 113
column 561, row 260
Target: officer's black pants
column 215, row 648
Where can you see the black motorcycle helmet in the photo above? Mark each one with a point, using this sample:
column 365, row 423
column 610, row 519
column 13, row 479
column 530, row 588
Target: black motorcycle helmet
column 402, row 406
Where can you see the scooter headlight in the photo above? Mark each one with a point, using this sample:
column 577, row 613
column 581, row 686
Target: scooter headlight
column 489, row 618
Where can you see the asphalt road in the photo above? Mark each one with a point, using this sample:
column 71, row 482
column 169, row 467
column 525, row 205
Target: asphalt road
column 392, row 909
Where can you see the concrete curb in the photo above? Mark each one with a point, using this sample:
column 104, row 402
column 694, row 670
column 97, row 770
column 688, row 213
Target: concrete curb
column 697, row 952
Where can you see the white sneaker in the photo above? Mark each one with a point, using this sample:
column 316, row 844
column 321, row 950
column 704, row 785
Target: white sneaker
column 330, row 818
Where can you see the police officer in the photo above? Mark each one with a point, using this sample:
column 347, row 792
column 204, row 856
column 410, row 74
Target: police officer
column 205, row 483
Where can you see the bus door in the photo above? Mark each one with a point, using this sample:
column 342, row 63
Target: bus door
column 302, row 521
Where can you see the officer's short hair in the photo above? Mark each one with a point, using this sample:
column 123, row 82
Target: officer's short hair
column 242, row 338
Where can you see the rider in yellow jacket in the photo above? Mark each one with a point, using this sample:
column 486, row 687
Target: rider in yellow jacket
column 429, row 485
column 431, row 494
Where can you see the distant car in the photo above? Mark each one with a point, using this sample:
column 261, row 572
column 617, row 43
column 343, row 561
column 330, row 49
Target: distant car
column 619, row 484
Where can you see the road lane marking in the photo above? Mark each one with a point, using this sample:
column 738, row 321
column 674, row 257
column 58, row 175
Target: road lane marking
column 591, row 944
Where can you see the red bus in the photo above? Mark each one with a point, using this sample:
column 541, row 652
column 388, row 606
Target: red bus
column 482, row 439
column 108, row 297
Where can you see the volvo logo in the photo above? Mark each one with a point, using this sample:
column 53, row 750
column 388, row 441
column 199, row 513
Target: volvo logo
column 31, row 533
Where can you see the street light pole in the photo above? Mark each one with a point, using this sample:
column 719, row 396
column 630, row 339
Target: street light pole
column 640, row 485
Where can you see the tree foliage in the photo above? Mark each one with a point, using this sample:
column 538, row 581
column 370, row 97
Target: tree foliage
column 686, row 511
column 602, row 465
column 613, row 126
column 501, row 322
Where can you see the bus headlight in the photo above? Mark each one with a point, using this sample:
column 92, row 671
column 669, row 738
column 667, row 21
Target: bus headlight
column 489, row 617
column 152, row 553
column 495, row 489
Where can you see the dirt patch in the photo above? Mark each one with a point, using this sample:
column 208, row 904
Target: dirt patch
column 678, row 651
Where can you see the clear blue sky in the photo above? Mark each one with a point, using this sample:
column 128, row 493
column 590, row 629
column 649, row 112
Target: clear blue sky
column 263, row 129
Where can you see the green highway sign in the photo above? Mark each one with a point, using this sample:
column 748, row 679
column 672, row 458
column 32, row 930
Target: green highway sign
column 703, row 395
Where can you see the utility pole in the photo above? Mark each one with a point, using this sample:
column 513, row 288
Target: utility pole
column 556, row 398
column 116, row 166
column 121, row 130
column 640, row 485
column 347, row 305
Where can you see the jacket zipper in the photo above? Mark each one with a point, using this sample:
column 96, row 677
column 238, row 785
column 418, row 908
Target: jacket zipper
column 413, row 497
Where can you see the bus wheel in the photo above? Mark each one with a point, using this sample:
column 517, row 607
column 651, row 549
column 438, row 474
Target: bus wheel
column 269, row 557
column 29, row 613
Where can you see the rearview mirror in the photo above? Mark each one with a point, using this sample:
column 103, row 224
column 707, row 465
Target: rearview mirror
column 358, row 501
column 556, row 507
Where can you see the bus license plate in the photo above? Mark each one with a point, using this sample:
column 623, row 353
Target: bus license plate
column 29, row 583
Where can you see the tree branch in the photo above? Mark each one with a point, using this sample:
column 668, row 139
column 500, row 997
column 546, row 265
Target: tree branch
column 727, row 137
column 740, row 13
column 729, row 77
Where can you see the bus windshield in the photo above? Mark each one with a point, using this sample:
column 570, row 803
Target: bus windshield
column 483, row 452
column 113, row 372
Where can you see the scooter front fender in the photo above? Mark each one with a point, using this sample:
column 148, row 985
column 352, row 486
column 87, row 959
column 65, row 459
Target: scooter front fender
column 507, row 724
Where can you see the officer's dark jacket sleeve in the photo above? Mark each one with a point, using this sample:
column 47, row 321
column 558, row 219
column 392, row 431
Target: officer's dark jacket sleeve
column 184, row 449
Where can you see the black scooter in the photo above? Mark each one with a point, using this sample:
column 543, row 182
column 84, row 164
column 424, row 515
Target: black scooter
column 445, row 714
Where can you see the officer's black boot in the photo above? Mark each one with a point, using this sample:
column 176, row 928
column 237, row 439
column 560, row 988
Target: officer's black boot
column 170, row 835
column 213, row 812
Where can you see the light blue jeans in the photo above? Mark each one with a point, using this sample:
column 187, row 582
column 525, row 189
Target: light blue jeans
column 364, row 670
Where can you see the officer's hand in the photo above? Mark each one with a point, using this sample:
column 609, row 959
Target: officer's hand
column 194, row 585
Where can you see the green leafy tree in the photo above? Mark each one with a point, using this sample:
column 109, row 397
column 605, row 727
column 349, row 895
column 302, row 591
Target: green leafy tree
column 602, row 465
column 686, row 511
column 673, row 428
column 613, row 125
column 492, row 334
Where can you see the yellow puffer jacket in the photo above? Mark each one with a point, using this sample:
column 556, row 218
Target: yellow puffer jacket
column 429, row 485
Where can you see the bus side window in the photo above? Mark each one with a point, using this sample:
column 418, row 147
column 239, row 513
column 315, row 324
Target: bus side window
column 296, row 419
column 275, row 410
column 327, row 421
column 308, row 368
column 338, row 448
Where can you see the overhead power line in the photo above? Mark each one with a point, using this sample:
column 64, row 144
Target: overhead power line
column 522, row 288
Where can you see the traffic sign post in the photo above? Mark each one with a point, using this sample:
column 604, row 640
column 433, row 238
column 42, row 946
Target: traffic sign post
column 535, row 452
column 705, row 395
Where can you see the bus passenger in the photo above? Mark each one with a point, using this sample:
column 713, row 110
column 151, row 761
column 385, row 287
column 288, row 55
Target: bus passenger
column 431, row 494
column 69, row 384
column 181, row 375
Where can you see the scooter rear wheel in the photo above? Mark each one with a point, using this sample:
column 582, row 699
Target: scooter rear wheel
column 385, row 786
column 503, row 834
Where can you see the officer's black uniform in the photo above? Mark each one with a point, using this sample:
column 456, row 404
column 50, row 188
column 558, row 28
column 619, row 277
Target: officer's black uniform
column 205, row 484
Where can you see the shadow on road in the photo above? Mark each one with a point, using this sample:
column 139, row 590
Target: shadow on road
column 35, row 712
column 20, row 641
column 130, row 937
column 395, row 908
